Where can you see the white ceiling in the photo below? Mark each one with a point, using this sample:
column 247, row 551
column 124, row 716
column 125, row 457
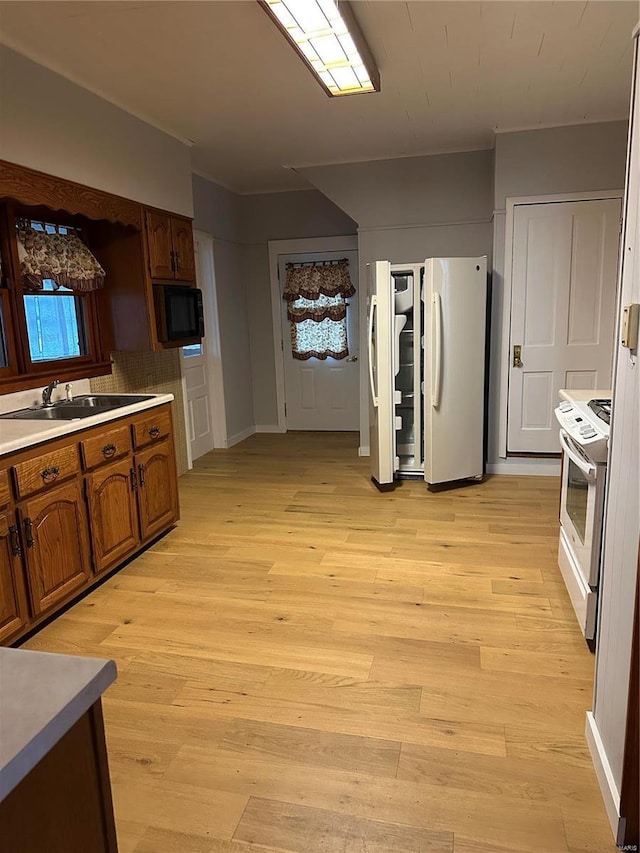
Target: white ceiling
column 220, row 74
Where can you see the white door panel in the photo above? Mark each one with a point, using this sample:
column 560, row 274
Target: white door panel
column 562, row 311
column 455, row 296
column 196, row 379
column 380, row 344
column 322, row 395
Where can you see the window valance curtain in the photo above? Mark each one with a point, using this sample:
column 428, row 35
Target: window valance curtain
column 61, row 258
column 307, row 284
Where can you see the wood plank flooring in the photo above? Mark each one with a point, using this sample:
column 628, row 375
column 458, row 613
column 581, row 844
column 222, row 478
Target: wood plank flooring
column 306, row 664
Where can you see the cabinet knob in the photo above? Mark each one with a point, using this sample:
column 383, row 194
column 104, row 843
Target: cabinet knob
column 108, row 450
column 50, row 474
column 154, row 431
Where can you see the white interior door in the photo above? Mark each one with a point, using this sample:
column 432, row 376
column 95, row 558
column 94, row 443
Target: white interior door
column 195, row 369
column 564, row 269
column 322, row 394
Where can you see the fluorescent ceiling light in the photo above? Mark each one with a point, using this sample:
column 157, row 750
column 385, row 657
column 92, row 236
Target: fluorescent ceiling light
column 327, row 37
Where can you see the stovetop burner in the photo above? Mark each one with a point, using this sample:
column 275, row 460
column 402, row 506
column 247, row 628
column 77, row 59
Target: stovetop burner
column 602, row 408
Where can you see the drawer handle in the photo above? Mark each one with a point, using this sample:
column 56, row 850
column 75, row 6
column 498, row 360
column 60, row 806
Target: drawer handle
column 50, row 474
column 108, row 450
column 28, row 532
column 14, row 541
column 141, row 475
column 154, row 431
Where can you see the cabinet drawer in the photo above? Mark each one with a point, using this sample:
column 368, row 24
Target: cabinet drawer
column 46, row 470
column 102, row 448
column 5, row 489
column 151, row 427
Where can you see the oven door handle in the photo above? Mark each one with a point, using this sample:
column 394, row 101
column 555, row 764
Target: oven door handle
column 587, row 468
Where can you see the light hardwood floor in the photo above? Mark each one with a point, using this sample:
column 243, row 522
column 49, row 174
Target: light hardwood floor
column 308, row 665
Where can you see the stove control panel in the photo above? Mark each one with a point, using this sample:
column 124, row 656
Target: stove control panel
column 586, row 429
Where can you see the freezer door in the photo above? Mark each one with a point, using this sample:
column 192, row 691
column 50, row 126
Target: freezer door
column 380, row 325
column 455, row 295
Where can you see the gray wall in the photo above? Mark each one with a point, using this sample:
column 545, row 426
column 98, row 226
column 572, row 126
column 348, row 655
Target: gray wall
column 408, row 210
column 241, row 227
column 580, row 158
column 217, row 211
column 55, row 126
column 560, row 159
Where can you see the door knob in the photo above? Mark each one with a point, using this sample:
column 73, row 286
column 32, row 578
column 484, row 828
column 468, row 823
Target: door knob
column 517, row 353
column 352, row 358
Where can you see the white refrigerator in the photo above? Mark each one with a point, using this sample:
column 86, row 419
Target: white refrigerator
column 426, row 347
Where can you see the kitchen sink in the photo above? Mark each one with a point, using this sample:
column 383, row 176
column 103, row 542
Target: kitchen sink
column 81, row 407
column 107, row 401
column 53, row 413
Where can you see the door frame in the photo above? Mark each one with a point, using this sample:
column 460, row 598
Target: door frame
column 211, row 350
column 293, row 247
column 505, row 351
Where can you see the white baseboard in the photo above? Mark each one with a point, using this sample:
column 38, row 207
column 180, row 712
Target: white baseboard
column 364, row 451
column 240, row 436
column 536, row 468
column 607, row 784
column 270, row 428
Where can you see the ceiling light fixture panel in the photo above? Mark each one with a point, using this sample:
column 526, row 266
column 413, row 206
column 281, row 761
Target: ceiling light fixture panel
column 327, row 37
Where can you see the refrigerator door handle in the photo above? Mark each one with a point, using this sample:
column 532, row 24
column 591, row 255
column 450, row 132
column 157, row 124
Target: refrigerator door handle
column 372, row 305
column 436, row 380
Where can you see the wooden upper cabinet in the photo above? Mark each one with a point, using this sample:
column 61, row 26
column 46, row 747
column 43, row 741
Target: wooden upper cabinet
column 56, row 543
column 159, row 243
column 113, row 513
column 183, row 253
column 170, row 247
column 13, row 602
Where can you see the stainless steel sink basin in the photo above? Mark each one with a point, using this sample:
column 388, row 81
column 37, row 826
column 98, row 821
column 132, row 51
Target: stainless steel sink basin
column 54, row 413
column 82, row 407
column 107, row 401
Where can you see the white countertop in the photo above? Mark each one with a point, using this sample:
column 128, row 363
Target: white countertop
column 574, row 396
column 42, row 696
column 16, row 434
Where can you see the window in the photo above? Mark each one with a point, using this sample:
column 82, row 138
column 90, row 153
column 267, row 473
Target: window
column 192, row 350
column 322, row 338
column 55, row 323
column 58, row 275
column 316, row 295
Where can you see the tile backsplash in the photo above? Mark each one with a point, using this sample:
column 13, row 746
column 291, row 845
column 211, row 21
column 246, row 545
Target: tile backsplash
column 149, row 373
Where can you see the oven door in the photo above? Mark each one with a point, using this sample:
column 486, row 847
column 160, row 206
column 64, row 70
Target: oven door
column 581, row 508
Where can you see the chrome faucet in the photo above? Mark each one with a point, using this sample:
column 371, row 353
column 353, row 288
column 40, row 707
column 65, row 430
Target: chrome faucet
column 48, row 391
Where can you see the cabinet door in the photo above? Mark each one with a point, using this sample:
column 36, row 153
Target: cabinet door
column 113, row 513
column 183, row 253
column 159, row 243
column 55, row 535
column 157, row 488
column 13, row 601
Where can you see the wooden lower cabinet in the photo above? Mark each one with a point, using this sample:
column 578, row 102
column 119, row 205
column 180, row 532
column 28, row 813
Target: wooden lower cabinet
column 14, row 614
column 157, row 489
column 57, row 539
column 56, row 544
column 114, row 514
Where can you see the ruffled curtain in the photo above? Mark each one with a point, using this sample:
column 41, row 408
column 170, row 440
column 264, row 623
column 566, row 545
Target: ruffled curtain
column 61, row 258
column 317, row 310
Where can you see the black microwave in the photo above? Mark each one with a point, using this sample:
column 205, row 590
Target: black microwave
column 179, row 314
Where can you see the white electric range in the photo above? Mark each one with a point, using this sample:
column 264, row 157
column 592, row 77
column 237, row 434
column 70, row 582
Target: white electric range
column 584, row 437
